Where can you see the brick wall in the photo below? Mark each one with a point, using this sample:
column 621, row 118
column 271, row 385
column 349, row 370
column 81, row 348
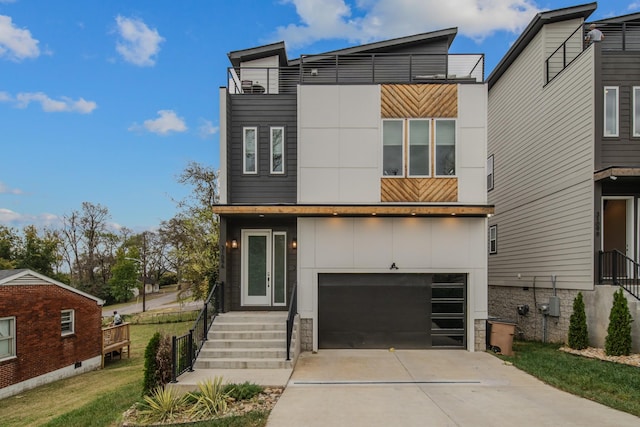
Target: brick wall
column 306, row 334
column 40, row 346
column 503, row 303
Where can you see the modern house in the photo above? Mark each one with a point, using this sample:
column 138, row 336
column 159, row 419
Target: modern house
column 48, row 331
column 353, row 190
column 564, row 173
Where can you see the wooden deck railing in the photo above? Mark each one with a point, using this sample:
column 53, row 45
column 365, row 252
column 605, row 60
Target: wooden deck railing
column 115, row 338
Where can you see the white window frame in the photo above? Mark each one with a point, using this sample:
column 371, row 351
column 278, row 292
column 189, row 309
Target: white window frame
column 635, row 131
column 493, row 239
column 402, row 173
column 244, row 150
column 11, row 338
column 272, row 171
column 435, row 147
column 408, row 147
column 490, row 175
column 617, row 112
column 68, row 326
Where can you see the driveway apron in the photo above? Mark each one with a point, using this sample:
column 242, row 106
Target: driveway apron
column 427, row 388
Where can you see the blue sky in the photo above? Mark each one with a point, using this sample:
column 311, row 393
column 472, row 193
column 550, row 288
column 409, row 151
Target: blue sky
column 107, row 101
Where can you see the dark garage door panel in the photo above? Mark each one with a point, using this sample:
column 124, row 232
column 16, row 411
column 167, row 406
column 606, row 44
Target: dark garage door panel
column 374, row 311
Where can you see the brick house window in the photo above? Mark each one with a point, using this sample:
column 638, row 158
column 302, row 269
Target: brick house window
column 7, row 337
column 68, row 322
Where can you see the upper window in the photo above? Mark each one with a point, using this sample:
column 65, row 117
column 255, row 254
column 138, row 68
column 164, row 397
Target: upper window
column 636, row 111
column 490, row 173
column 393, row 147
column 250, row 150
column 67, row 322
column 493, row 239
column 610, row 111
column 277, row 150
column 419, row 132
column 445, row 147
column 7, row 337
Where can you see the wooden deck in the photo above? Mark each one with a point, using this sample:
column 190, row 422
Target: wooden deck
column 115, row 339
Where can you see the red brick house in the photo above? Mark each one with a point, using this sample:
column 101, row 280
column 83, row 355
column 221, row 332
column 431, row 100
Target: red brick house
column 48, row 331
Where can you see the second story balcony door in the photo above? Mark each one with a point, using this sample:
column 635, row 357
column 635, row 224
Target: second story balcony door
column 263, row 267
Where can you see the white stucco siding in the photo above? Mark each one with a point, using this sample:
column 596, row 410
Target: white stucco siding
column 472, row 143
column 371, row 245
column 339, row 146
column 542, row 139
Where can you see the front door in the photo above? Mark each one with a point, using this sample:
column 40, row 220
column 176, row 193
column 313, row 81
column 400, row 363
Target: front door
column 617, row 225
column 263, row 267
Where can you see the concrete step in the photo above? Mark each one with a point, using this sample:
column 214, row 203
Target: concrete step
column 215, row 334
column 249, row 326
column 243, row 353
column 252, row 317
column 240, row 343
column 229, row 363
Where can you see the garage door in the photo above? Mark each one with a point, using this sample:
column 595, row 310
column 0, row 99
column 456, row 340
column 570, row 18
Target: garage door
column 404, row 311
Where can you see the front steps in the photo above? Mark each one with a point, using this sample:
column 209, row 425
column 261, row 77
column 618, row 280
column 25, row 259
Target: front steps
column 246, row 340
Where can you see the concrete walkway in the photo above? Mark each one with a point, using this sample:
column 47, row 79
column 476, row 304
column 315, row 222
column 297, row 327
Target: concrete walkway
column 427, row 388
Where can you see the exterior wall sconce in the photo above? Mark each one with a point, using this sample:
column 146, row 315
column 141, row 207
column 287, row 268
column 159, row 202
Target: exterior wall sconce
column 294, row 243
column 234, row 244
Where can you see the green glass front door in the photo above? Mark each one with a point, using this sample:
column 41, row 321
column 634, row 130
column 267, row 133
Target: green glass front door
column 264, row 267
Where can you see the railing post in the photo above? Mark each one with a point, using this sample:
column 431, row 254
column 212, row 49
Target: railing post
column 614, row 268
column 190, row 353
column 174, row 360
column 206, row 322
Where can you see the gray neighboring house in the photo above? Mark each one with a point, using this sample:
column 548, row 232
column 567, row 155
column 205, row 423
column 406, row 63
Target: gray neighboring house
column 564, row 173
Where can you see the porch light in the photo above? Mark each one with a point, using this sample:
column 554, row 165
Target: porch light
column 294, row 243
column 234, row 244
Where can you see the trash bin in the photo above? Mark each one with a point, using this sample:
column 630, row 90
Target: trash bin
column 501, row 339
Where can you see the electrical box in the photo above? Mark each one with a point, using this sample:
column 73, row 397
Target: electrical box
column 554, row 306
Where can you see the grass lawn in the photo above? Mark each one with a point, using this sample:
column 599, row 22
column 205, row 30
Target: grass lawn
column 96, row 398
column 612, row 384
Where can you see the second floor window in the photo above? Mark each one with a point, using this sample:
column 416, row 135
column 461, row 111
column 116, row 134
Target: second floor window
column 610, row 111
column 277, row 150
column 250, row 150
column 490, row 173
column 493, row 239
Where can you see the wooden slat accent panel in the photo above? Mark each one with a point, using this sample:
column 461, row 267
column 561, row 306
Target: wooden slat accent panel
column 419, row 101
column 419, row 189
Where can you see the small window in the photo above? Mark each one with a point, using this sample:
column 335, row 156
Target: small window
column 490, row 173
column 250, row 150
column 419, row 131
column 68, row 324
column 610, row 111
column 445, row 147
column 636, row 111
column 7, row 337
column 493, row 239
column 277, row 150
column 392, row 147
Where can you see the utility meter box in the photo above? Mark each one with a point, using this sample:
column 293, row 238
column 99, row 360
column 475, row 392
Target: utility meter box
column 554, row 306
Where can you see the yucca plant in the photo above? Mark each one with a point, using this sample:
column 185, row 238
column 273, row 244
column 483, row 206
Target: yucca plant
column 162, row 405
column 210, row 400
column 244, row 391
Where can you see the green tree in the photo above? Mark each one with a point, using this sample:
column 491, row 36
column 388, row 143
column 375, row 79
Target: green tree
column 124, row 276
column 618, row 340
column 37, row 253
column 578, row 333
column 8, row 240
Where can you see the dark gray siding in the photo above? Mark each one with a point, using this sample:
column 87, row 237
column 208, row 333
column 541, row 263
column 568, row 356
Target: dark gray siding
column 620, row 69
column 263, row 112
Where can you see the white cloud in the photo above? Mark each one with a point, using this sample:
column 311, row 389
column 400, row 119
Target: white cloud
column 49, row 105
column 15, row 219
column 138, row 43
column 634, row 6
column 5, row 97
column 16, row 44
column 165, row 124
column 373, row 20
column 6, row 190
column 206, row 128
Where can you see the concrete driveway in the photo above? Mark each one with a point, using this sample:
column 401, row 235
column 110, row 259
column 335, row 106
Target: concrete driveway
column 427, row 388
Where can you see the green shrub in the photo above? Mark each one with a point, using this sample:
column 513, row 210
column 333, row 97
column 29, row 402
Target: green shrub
column 578, row 333
column 244, row 391
column 210, row 400
column 618, row 341
column 157, row 363
column 162, row 405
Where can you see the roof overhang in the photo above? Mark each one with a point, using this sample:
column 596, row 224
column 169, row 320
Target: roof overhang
column 396, row 210
column 616, row 172
column 238, row 56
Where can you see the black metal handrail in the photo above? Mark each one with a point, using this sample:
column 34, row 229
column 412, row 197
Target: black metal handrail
column 185, row 348
column 620, row 270
column 293, row 310
column 565, row 54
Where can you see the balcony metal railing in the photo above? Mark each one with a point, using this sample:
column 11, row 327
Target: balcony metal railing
column 623, row 37
column 357, row 69
column 616, row 268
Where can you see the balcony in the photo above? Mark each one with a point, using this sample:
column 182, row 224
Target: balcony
column 358, row 69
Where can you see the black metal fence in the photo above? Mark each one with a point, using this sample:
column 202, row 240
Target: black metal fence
column 616, row 268
column 185, row 349
column 293, row 310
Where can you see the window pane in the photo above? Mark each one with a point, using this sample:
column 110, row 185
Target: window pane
column 257, row 259
column 418, row 147
column 279, row 267
column 636, row 111
column 392, row 147
column 249, row 150
column 610, row 111
column 276, row 150
column 445, row 147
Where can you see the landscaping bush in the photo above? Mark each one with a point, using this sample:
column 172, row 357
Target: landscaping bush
column 157, row 363
column 162, row 405
column 618, row 341
column 210, row 400
column 578, row 333
column 244, row 391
